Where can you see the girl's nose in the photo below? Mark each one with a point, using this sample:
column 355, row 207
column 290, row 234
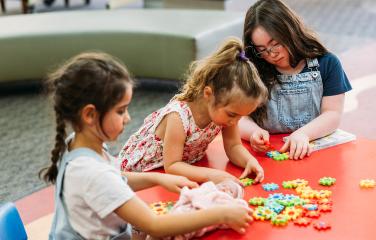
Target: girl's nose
column 127, row 118
column 274, row 54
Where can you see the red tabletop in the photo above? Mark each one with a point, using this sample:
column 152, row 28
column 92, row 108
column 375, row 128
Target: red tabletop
column 354, row 209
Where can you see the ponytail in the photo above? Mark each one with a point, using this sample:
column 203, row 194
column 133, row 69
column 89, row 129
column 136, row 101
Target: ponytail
column 226, row 68
column 49, row 174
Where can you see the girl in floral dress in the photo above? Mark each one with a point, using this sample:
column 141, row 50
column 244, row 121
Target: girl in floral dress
column 220, row 89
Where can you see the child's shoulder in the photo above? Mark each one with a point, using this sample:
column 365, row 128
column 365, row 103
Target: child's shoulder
column 328, row 59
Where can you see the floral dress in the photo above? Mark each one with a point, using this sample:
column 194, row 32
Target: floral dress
column 144, row 150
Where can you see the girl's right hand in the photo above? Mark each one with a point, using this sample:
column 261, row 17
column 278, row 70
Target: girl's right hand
column 258, row 139
column 237, row 217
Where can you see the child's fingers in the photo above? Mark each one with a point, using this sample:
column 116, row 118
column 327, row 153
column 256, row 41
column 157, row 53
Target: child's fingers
column 292, row 149
column 265, row 136
column 244, row 174
column 304, row 151
column 259, row 140
column 310, row 149
column 192, row 184
column 259, row 177
column 298, row 150
column 285, row 146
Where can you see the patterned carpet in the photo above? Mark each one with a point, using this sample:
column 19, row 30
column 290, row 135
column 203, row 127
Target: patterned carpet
column 27, row 133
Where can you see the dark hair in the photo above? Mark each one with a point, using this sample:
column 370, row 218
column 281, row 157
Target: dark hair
column 226, row 68
column 284, row 26
column 88, row 78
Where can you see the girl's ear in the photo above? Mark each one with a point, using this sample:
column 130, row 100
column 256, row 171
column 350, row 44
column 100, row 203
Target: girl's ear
column 89, row 114
column 208, row 92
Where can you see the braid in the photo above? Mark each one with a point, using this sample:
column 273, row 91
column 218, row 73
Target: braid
column 49, row 174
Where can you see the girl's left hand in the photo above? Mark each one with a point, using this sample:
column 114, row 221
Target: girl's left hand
column 298, row 143
column 253, row 166
column 175, row 183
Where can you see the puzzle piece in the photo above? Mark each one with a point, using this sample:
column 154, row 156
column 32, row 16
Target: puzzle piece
column 327, row 181
column 161, row 208
column 270, row 186
column 247, row 181
column 321, row 225
column 367, row 183
column 257, row 201
column 303, row 221
column 278, row 156
column 279, row 220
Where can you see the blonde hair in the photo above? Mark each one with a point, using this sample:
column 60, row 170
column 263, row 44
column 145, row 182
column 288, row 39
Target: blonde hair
column 224, row 69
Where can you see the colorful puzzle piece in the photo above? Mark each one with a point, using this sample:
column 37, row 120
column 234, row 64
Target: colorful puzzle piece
column 303, row 221
column 327, row 181
column 279, row 220
column 321, row 225
column 256, row 201
column 161, row 208
column 278, row 156
column 247, row 181
column 367, row 183
column 270, row 186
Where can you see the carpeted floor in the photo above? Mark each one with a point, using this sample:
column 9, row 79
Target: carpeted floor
column 27, row 133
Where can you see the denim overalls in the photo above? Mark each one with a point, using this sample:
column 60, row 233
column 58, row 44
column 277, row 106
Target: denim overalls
column 61, row 228
column 295, row 101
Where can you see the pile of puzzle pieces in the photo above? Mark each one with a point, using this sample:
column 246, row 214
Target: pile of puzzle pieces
column 301, row 208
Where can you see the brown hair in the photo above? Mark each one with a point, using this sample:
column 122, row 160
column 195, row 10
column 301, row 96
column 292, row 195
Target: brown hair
column 284, row 26
column 88, row 78
column 226, row 68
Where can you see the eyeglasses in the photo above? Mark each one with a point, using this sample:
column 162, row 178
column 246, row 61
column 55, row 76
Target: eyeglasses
column 267, row 51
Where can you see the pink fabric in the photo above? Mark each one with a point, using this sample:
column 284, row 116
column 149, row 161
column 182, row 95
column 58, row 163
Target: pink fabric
column 206, row 196
column 144, row 150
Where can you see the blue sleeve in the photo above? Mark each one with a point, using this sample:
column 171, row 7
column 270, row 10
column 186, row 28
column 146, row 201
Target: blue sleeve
column 333, row 76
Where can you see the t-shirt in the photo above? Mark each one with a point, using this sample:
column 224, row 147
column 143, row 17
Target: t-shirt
column 93, row 189
column 334, row 78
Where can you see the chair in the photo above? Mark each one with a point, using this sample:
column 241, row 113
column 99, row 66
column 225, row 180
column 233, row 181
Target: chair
column 11, row 225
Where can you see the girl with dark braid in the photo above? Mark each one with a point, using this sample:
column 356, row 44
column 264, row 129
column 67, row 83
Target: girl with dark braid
column 93, row 199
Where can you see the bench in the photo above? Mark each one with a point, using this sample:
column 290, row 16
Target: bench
column 153, row 43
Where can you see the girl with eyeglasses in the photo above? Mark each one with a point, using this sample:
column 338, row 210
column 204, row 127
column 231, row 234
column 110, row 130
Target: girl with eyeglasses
column 306, row 82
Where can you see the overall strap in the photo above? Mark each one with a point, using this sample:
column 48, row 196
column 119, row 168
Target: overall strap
column 312, row 62
column 61, row 227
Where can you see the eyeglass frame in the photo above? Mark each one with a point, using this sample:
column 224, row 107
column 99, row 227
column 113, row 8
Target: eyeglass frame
column 273, row 49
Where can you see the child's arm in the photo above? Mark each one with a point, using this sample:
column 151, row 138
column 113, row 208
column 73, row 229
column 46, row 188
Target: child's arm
column 251, row 132
column 138, row 181
column 137, row 213
column 239, row 155
column 174, row 140
column 326, row 123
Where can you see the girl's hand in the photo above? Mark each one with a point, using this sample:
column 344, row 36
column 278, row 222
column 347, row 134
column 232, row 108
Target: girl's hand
column 258, row 139
column 220, row 176
column 253, row 166
column 299, row 146
column 237, row 217
column 175, row 183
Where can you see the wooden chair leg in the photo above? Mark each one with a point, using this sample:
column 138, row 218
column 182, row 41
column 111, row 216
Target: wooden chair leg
column 24, row 6
column 3, row 6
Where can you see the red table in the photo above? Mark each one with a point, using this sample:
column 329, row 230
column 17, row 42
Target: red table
column 354, row 209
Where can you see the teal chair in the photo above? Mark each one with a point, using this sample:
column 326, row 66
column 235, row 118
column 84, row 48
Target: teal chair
column 11, row 225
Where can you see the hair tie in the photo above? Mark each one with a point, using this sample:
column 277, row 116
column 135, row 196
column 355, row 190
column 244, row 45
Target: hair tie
column 242, row 56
